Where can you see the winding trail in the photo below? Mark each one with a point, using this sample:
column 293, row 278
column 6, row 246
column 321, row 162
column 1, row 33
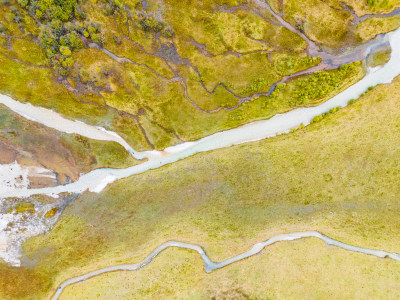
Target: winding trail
column 210, row 266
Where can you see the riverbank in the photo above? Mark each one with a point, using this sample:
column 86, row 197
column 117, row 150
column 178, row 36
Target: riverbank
column 283, row 123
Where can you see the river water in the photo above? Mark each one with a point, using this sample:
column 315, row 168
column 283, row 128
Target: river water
column 97, row 180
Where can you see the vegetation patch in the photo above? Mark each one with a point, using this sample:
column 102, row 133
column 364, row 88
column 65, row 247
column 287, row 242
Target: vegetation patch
column 51, row 212
column 320, row 117
column 25, row 208
column 60, row 40
column 379, row 58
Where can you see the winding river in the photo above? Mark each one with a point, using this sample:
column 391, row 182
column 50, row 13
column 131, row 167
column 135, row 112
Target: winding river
column 97, row 180
column 210, row 266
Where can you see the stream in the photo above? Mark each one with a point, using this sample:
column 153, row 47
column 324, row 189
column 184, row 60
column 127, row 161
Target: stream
column 97, row 180
column 210, row 266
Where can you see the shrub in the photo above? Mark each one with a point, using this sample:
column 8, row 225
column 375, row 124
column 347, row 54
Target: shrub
column 51, row 212
column 64, row 50
column 25, row 208
column 333, row 110
column 149, row 23
column 323, row 115
column 23, row 3
column 61, row 39
column 255, row 86
column 317, row 118
column 321, row 83
column 377, row 3
column 3, row 28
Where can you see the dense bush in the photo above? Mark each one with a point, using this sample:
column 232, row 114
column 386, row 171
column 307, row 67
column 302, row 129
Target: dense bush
column 61, row 31
column 61, row 39
column 322, row 116
column 351, row 101
column 377, row 3
column 146, row 21
column 255, row 86
column 48, row 10
column 3, row 28
column 290, row 64
column 15, row 15
column 321, row 84
column 150, row 23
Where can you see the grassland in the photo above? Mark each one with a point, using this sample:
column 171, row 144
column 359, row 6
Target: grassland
column 306, row 269
column 365, row 31
column 339, row 176
column 370, row 6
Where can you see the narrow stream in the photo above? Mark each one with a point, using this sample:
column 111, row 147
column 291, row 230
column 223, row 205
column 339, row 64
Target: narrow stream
column 210, row 266
column 97, row 180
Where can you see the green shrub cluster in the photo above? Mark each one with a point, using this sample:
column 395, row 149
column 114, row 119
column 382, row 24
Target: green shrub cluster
column 144, row 20
column 112, row 7
column 61, row 39
column 322, row 116
column 15, row 16
column 351, row 101
column 321, row 83
column 47, row 10
column 301, row 126
column 25, row 208
column 376, row 3
column 149, row 23
column 288, row 64
column 3, row 28
column 62, row 30
column 255, row 86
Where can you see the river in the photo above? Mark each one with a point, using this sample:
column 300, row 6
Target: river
column 97, row 180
